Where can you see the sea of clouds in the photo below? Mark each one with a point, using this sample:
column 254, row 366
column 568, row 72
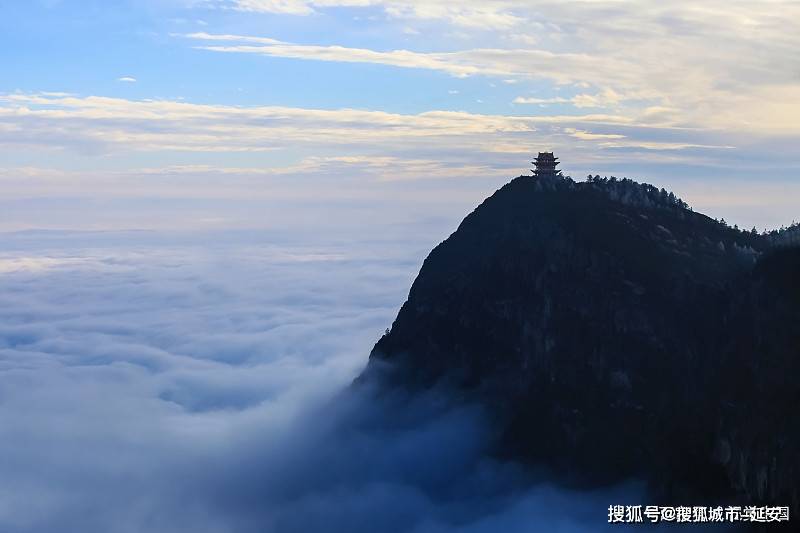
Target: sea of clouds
column 201, row 383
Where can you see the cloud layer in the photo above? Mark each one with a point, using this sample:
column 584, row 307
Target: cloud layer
column 158, row 382
column 126, row 359
column 719, row 64
column 105, row 149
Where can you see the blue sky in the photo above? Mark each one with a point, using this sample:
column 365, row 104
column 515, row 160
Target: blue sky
column 155, row 102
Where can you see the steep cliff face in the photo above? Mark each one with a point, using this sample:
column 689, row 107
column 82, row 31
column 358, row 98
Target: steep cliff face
column 759, row 434
column 614, row 332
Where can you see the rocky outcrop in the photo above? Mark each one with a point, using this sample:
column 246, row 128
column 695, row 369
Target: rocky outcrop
column 614, row 333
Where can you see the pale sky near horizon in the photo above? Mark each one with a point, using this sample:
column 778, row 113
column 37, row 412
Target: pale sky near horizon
column 223, row 114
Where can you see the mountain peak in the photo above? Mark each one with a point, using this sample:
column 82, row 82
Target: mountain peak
column 593, row 317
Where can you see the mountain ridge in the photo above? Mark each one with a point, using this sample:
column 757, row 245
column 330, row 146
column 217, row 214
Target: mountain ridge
column 588, row 315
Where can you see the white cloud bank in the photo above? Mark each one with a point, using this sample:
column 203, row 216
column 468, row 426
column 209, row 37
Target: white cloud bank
column 183, row 384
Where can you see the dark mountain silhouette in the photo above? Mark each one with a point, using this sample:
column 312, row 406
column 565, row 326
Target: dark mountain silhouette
column 614, row 332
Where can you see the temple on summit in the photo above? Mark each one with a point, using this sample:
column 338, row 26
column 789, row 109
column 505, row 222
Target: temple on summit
column 545, row 164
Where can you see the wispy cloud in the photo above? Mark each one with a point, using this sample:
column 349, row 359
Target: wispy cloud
column 102, row 125
column 716, row 66
column 39, row 119
column 541, row 101
column 606, row 98
column 488, row 14
column 127, row 79
column 561, row 67
column 299, row 144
